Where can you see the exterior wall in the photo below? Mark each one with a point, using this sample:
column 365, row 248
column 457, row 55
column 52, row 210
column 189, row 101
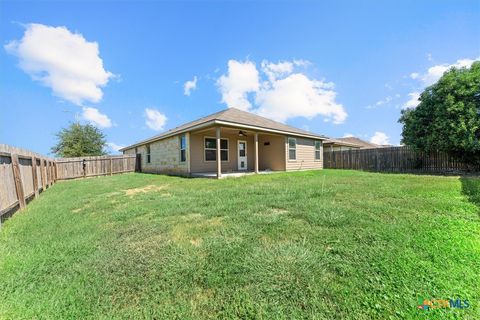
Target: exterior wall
column 271, row 156
column 305, row 155
column 129, row 151
column 198, row 163
column 164, row 156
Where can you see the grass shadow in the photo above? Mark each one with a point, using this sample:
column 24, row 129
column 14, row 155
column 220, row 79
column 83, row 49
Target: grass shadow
column 471, row 189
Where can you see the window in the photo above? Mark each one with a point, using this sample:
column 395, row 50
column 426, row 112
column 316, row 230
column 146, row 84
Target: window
column 183, row 148
column 148, row 153
column 292, row 149
column 211, row 149
column 318, row 148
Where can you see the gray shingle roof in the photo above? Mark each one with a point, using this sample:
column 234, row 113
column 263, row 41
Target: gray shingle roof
column 233, row 116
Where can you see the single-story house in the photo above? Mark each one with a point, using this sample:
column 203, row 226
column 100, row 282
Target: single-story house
column 349, row 143
column 229, row 141
column 339, row 145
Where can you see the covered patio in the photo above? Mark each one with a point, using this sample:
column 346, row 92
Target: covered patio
column 228, row 151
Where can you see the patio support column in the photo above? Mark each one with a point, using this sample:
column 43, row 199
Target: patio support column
column 256, row 152
column 219, row 160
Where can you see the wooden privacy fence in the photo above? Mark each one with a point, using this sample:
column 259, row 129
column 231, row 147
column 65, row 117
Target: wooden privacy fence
column 25, row 174
column 71, row 168
column 395, row 159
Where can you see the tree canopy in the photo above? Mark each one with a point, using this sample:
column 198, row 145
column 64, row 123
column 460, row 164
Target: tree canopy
column 80, row 140
column 448, row 116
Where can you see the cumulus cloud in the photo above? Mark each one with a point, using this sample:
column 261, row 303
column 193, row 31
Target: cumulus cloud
column 241, row 79
column 413, row 102
column 431, row 76
column 380, row 138
column 63, row 61
column 279, row 91
column 275, row 70
column 95, row 117
column 114, row 147
column 434, row 73
column 155, row 120
column 299, row 96
column 189, row 86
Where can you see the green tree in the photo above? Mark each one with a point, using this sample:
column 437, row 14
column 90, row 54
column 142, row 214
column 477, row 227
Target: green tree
column 80, row 140
column 448, row 116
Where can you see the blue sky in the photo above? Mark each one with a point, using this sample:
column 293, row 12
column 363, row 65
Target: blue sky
column 334, row 68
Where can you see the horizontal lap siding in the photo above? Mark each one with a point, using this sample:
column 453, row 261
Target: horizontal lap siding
column 305, row 155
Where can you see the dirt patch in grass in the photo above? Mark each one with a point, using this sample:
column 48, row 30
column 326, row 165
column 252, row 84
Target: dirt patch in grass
column 146, row 189
column 274, row 211
column 193, row 228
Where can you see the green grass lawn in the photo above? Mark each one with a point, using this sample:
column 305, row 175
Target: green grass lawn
column 320, row 244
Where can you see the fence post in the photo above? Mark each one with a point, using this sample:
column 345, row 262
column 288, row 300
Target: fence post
column 34, row 175
column 84, row 165
column 18, row 181
column 111, row 166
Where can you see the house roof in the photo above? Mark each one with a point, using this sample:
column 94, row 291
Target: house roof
column 354, row 141
column 233, row 117
column 337, row 142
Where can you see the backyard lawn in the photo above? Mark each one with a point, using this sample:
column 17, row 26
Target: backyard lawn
column 320, row 244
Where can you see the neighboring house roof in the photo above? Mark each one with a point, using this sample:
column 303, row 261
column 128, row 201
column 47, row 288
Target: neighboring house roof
column 354, row 141
column 364, row 144
column 233, row 117
column 337, row 142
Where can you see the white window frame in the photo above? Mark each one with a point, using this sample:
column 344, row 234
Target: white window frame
column 148, row 151
column 289, row 148
column 319, row 150
column 183, row 136
column 205, row 148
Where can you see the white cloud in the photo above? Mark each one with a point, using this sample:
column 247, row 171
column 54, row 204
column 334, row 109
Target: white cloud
column 434, row 73
column 189, row 86
column 241, row 79
column 414, row 75
column 431, row 76
column 384, row 101
column 413, row 102
column 380, row 138
column 63, row 61
column 275, row 70
column 284, row 94
column 299, row 96
column 348, row 135
column 114, row 147
column 155, row 119
column 95, row 117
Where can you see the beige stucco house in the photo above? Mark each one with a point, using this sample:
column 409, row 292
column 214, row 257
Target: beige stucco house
column 229, row 141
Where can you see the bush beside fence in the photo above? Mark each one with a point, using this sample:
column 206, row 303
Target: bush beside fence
column 396, row 159
column 25, row 174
